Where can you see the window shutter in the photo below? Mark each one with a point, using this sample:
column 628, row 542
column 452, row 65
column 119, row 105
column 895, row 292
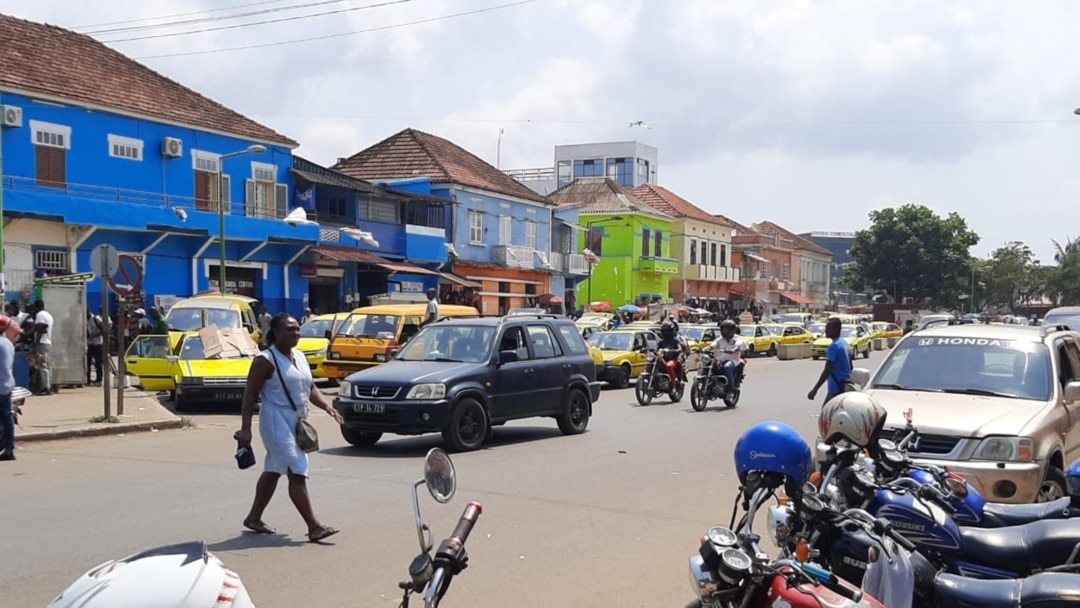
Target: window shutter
column 504, row 229
column 281, row 199
column 644, row 242
column 226, row 192
column 659, row 242
column 249, row 196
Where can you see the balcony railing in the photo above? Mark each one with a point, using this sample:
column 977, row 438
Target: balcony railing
column 723, row 274
column 514, row 256
column 138, row 197
column 569, row 263
column 659, row 264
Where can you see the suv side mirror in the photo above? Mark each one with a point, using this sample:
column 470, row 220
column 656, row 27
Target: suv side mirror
column 393, row 353
column 861, row 376
column 1072, row 392
column 172, row 358
column 328, row 335
column 508, row 356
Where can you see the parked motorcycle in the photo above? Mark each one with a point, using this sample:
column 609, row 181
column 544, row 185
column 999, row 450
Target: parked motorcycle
column 655, row 381
column 711, row 383
column 430, row 575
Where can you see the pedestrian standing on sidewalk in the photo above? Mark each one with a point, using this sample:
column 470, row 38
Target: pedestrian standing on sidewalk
column 281, row 377
column 159, row 325
column 94, row 343
column 43, row 326
column 264, row 326
column 7, row 385
column 837, row 370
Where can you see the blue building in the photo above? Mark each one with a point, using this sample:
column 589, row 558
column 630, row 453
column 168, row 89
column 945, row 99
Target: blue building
column 839, row 244
column 97, row 148
column 509, row 246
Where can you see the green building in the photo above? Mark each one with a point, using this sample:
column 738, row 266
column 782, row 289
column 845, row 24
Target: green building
column 627, row 242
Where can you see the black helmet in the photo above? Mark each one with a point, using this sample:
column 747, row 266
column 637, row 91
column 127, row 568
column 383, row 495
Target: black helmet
column 728, row 324
column 667, row 330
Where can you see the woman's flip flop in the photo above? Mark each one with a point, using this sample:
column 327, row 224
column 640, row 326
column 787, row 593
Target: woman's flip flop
column 259, row 527
column 322, row 532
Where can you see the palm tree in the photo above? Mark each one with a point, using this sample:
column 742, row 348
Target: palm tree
column 1070, row 247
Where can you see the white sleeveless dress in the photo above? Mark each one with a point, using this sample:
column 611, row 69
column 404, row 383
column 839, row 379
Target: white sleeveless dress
column 277, row 418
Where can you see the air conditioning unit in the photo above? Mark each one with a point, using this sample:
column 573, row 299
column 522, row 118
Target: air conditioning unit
column 172, row 147
column 909, row 300
column 10, row 116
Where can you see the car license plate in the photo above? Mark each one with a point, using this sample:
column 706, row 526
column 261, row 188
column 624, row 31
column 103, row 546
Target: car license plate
column 224, row 396
column 369, row 408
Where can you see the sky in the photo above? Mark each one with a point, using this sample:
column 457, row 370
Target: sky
column 810, row 114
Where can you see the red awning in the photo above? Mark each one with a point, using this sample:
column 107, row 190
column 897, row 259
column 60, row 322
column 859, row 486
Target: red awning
column 796, row 298
column 453, row 279
column 406, row 268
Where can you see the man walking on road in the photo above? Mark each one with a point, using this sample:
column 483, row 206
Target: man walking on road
column 43, row 325
column 94, row 343
column 7, row 385
column 837, row 370
column 264, row 319
column 432, row 313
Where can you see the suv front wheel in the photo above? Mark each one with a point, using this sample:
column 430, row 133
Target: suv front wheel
column 575, row 416
column 468, row 426
column 1053, row 486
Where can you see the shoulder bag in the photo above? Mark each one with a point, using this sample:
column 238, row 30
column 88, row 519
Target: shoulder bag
column 307, row 438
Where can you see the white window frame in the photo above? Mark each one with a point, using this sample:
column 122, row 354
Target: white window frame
column 263, row 172
column 209, row 161
column 50, row 135
column 530, row 235
column 130, row 148
column 476, row 228
column 506, row 226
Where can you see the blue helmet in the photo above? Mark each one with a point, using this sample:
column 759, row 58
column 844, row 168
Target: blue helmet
column 773, row 447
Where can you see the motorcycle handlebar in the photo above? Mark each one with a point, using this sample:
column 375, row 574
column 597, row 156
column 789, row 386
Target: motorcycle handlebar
column 467, row 521
column 930, row 493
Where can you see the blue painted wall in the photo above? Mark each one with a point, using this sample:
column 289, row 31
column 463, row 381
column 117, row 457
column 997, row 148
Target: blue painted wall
column 492, row 208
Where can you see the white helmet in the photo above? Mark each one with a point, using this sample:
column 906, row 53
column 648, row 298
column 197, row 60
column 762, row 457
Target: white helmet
column 178, row 576
column 853, row 416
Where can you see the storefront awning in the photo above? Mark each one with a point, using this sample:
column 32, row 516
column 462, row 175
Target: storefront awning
column 348, row 254
column 406, row 269
column 796, row 298
column 453, row 279
column 756, row 258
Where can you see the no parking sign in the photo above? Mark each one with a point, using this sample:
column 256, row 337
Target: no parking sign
column 129, row 276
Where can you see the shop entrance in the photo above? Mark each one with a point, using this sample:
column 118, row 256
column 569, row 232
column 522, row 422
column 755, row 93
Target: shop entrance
column 324, row 294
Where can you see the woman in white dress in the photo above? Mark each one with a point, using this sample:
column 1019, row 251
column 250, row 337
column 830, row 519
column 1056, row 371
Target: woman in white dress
column 274, row 369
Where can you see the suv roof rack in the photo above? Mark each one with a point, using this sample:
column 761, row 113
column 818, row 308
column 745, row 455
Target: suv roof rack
column 505, row 318
column 1045, row 330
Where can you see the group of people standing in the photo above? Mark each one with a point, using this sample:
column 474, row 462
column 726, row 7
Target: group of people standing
column 30, row 332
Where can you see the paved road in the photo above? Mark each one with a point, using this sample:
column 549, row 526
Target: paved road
column 605, row 518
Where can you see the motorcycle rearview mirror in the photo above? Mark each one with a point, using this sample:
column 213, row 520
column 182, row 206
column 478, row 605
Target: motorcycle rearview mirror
column 956, row 487
column 439, row 475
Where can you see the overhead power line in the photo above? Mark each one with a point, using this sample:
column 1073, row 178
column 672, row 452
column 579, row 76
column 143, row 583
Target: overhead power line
column 268, row 21
column 344, row 34
column 175, row 15
column 169, row 24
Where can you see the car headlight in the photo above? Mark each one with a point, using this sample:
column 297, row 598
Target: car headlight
column 777, row 525
column 345, row 390
column 1006, row 449
column 427, row 391
column 335, row 355
column 317, row 353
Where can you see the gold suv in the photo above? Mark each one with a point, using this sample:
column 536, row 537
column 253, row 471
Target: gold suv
column 998, row 404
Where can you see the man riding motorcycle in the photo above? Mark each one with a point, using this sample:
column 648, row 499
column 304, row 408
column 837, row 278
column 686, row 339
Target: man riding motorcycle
column 729, row 349
column 674, row 346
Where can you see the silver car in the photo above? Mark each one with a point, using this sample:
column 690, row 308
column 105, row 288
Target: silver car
column 998, row 404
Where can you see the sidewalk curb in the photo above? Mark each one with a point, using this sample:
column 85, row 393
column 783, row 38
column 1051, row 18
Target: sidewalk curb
column 100, row 429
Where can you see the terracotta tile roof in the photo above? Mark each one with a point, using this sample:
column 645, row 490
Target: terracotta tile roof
column 742, row 230
column 48, row 60
column 601, row 195
column 411, row 153
column 349, row 254
column 668, row 202
column 799, row 241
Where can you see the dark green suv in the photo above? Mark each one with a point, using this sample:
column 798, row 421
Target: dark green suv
column 462, row 377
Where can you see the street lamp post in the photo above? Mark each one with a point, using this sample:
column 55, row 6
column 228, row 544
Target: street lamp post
column 253, row 149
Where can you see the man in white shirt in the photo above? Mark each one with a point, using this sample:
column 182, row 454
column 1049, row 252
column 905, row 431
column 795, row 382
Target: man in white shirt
column 43, row 325
column 729, row 349
column 432, row 313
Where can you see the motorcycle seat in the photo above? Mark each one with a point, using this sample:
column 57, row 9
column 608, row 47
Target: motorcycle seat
column 1021, row 549
column 1000, row 514
column 1047, row 590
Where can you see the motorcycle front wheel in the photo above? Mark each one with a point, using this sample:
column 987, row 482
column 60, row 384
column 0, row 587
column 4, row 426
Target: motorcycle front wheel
column 699, row 395
column 642, row 391
column 731, row 398
column 676, row 393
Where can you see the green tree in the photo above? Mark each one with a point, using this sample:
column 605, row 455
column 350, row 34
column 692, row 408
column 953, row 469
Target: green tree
column 912, row 252
column 1063, row 281
column 1010, row 277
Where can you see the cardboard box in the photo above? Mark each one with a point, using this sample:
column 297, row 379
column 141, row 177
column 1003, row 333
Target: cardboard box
column 229, row 343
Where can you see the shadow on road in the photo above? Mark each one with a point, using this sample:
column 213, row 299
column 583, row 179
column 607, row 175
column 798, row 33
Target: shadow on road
column 417, row 447
column 254, row 540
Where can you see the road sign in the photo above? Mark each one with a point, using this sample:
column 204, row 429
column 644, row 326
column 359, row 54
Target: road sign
column 128, row 277
column 104, row 261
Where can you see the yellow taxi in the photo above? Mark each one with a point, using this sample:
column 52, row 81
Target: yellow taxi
column 759, row 340
column 817, row 329
column 856, row 336
column 790, row 333
column 366, row 337
column 623, row 352
column 594, row 321
column 699, row 336
column 224, row 311
column 315, row 337
column 185, row 371
column 881, row 329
